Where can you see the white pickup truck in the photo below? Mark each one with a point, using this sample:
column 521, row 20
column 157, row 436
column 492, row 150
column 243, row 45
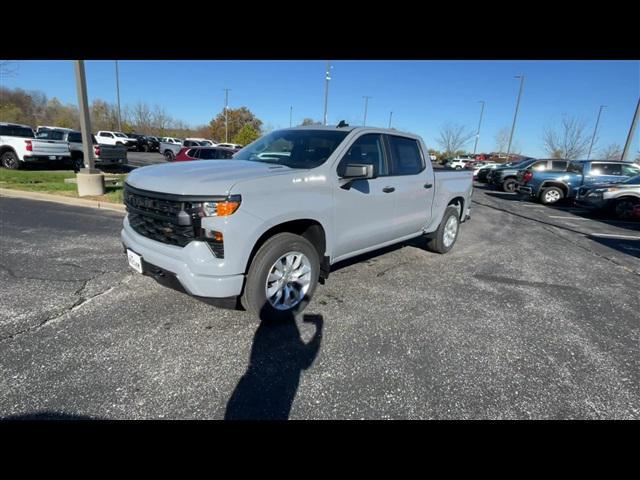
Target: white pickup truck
column 116, row 138
column 19, row 146
column 267, row 224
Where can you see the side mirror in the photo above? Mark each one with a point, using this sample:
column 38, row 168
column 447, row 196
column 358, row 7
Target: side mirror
column 354, row 171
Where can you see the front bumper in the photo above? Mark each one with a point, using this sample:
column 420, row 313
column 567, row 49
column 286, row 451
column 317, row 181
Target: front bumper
column 111, row 161
column 524, row 189
column 194, row 266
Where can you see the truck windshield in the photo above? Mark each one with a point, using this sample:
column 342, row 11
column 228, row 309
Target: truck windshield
column 293, row 148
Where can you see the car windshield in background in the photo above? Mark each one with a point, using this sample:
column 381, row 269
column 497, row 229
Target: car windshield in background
column 120, row 135
column 293, row 148
column 633, row 181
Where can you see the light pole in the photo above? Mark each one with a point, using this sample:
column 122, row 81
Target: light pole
column 515, row 115
column 390, row 115
column 327, row 77
column 595, row 130
column 118, row 95
column 226, row 115
column 89, row 180
column 366, row 104
column 479, row 123
column 290, row 116
column 632, row 131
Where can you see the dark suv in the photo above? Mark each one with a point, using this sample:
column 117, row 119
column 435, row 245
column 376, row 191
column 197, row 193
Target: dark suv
column 143, row 143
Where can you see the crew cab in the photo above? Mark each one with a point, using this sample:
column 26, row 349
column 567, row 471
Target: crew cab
column 104, row 154
column 551, row 186
column 116, row 138
column 19, row 145
column 269, row 223
column 620, row 199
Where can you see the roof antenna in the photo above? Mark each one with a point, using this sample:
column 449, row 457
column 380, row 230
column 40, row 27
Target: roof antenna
column 342, row 124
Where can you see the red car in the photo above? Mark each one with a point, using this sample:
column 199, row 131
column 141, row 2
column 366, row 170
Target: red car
column 187, row 154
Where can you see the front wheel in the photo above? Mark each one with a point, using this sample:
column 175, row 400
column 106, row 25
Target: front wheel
column 509, row 185
column 282, row 277
column 447, row 234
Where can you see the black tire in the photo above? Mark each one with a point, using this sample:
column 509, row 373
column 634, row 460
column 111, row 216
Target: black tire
column 10, row 161
column 254, row 297
column 437, row 242
column 169, row 156
column 623, row 208
column 551, row 195
column 509, row 185
column 77, row 163
column 145, row 148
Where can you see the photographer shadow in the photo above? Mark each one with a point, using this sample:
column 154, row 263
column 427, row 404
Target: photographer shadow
column 278, row 356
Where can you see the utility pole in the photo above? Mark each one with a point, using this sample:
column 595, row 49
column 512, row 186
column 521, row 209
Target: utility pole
column 290, row 116
column 479, row 123
column 366, row 104
column 327, row 77
column 595, row 130
column 390, row 115
column 89, row 180
column 632, row 131
column 226, row 115
column 118, row 94
column 515, row 115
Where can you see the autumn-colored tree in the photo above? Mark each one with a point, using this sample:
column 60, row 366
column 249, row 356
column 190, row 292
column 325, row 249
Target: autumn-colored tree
column 237, row 118
column 246, row 135
column 309, row 121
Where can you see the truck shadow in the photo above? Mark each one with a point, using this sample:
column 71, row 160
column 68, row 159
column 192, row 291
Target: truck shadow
column 278, row 356
column 626, row 246
column 418, row 242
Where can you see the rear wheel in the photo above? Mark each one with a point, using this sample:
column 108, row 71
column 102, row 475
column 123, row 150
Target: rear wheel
column 282, row 277
column 447, row 233
column 551, row 195
column 509, row 185
column 10, row 161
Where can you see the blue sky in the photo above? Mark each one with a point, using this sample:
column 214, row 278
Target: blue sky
column 423, row 95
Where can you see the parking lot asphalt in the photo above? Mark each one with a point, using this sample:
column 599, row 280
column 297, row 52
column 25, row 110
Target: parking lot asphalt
column 528, row 316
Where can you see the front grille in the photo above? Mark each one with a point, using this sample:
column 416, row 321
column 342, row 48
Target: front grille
column 169, row 219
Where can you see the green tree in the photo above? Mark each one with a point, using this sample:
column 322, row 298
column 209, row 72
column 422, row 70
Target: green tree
column 246, row 135
column 237, row 119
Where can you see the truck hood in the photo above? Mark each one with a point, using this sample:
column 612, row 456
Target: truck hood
column 200, row 177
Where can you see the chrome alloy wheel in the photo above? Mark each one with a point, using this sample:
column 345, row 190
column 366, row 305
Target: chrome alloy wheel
column 552, row 196
column 288, row 281
column 450, row 231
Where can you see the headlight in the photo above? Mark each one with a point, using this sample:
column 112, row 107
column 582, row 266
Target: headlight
column 217, row 209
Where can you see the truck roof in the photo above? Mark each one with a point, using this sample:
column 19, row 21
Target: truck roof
column 15, row 125
column 350, row 128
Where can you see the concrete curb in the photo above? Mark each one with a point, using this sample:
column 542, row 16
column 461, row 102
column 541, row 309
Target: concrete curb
column 47, row 197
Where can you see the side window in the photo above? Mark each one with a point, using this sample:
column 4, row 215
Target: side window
column 606, row 169
column 539, row 166
column 75, row 137
column 630, row 170
column 405, row 156
column 558, row 166
column 367, row 150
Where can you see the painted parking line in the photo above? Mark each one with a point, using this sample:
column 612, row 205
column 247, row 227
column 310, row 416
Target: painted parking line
column 611, row 235
column 569, row 218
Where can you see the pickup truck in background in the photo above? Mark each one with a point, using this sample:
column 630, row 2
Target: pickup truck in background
column 505, row 178
column 104, row 154
column 268, row 224
column 170, row 149
column 19, row 145
column 116, row 138
column 551, row 186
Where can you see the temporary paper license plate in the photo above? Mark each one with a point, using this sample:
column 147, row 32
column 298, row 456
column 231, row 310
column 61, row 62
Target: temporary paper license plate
column 135, row 261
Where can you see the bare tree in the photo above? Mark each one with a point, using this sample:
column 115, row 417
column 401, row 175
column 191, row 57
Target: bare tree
column 502, row 140
column 569, row 141
column 611, row 152
column 8, row 69
column 453, row 137
column 161, row 120
column 142, row 117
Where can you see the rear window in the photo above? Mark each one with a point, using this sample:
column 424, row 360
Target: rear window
column 50, row 135
column 405, row 156
column 16, row 131
column 558, row 165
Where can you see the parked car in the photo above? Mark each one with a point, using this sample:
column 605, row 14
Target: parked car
column 505, row 179
column 19, row 146
column 484, row 165
column 551, row 186
column 459, row 163
column 116, row 138
column 203, row 153
column 171, row 149
column 484, row 171
column 142, row 144
column 233, row 146
column 104, row 154
column 268, row 229
column 154, row 143
column 620, row 199
column 204, row 142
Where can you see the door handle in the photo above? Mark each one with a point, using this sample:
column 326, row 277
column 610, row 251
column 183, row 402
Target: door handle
column 428, row 185
column 388, row 189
